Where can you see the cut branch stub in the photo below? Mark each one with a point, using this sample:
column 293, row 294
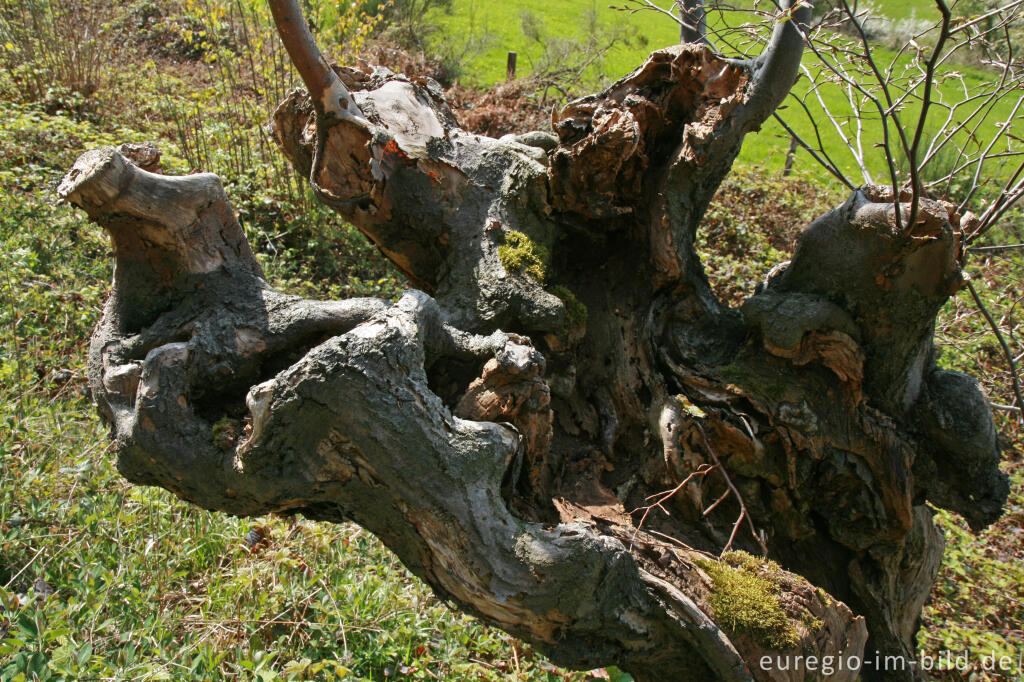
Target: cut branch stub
column 892, row 284
column 159, row 256
column 190, row 318
column 417, row 185
column 512, row 389
column 613, row 144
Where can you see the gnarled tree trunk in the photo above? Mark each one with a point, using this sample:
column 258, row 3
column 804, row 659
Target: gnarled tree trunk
column 504, row 427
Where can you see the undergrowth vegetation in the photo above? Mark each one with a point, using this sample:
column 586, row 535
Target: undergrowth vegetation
column 100, row 579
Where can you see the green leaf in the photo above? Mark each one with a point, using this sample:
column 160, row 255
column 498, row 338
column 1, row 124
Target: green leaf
column 27, row 623
column 84, row 654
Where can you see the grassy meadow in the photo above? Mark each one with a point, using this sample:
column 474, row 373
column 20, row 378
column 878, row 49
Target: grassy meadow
column 482, row 32
column 489, row 30
column 103, row 580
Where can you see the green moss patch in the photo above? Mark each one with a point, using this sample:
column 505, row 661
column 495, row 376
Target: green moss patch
column 692, row 410
column 575, row 311
column 813, row 625
column 519, row 253
column 746, row 599
column 226, row 432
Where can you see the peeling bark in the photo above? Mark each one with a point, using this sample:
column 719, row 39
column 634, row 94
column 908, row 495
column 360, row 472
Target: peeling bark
column 506, row 429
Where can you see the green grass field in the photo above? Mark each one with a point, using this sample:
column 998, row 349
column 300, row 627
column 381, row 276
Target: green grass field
column 501, row 24
column 103, row 580
column 496, row 28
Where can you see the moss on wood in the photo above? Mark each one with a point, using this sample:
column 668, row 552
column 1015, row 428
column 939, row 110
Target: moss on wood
column 519, row 253
column 745, row 598
column 575, row 311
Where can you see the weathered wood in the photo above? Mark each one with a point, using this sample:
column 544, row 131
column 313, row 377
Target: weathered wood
column 507, row 432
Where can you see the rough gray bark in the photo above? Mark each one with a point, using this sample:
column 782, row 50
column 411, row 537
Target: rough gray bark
column 503, row 428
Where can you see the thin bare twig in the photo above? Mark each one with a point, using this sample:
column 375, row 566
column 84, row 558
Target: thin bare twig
column 739, row 498
column 702, row 470
column 1011, row 365
column 679, row 543
column 816, row 154
column 717, row 502
column 989, row 249
column 24, row 568
column 926, row 100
